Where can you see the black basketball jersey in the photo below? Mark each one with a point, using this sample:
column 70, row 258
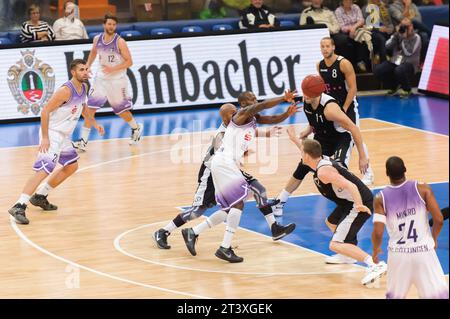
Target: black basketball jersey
column 338, row 195
column 334, row 80
column 324, row 130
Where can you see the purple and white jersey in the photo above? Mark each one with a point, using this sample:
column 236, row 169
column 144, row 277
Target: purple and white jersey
column 237, row 139
column 406, row 219
column 109, row 55
column 65, row 118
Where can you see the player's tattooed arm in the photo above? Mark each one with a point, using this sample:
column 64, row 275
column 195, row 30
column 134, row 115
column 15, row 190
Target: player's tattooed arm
column 250, row 111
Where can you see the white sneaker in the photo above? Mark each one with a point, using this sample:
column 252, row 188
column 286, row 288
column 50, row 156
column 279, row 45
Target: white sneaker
column 374, row 272
column 136, row 134
column 368, row 178
column 278, row 209
column 80, row 145
column 339, row 259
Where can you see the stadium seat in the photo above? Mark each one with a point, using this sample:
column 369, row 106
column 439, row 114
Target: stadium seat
column 192, row 28
column 286, row 24
column 5, row 41
column 93, row 34
column 159, row 31
column 222, row 27
column 130, row 33
column 14, row 36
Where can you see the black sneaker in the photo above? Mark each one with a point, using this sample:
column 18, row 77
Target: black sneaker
column 42, row 202
column 273, row 202
column 18, row 212
column 160, row 237
column 228, row 255
column 190, row 238
column 279, row 231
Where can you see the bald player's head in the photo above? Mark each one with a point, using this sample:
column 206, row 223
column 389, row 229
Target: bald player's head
column 395, row 168
column 226, row 112
column 247, row 98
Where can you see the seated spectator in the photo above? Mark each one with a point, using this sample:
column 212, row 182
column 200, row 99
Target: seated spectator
column 404, row 62
column 69, row 27
column 318, row 14
column 34, row 29
column 401, row 9
column 257, row 15
column 350, row 19
column 376, row 13
column 214, row 9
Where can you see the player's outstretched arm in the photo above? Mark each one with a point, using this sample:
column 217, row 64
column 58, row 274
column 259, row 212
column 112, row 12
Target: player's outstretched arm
column 379, row 219
column 334, row 113
column 250, row 111
column 278, row 118
column 58, row 98
column 427, row 195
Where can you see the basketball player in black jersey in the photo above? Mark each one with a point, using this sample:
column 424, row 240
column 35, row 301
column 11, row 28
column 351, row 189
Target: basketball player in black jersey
column 354, row 202
column 340, row 81
column 205, row 195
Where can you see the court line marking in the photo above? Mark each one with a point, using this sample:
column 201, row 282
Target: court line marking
column 70, row 262
column 119, row 248
column 410, row 127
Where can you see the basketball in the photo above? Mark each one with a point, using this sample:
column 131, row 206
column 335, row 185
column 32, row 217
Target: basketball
column 313, row 85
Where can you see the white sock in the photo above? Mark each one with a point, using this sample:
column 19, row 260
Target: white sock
column 133, row 124
column 23, row 199
column 44, row 189
column 284, row 196
column 233, row 219
column 369, row 261
column 85, row 133
column 270, row 219
column 170, row 227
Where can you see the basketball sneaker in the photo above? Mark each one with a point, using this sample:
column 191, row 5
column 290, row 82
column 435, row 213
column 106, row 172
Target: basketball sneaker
column 136, row 134
column 42, row 202
column 80, row 145
column 279, row 231
column 278, row 209
column 228, row 255
column 190, row 239
column 160, row 237
column 339, row 259
column 18, row 212
column 374, row 272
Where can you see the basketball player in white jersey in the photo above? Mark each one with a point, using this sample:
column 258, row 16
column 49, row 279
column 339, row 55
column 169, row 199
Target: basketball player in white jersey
column 204, row 197
column 58, row 120
column 231, row 188
column 402, row 207
column 111, row 81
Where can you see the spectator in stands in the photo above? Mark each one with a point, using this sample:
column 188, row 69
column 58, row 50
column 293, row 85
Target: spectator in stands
column 316, row 13
column 351, row 22
column 401, row 9
column 69, row 27
column 377, row 16
column 257, row 15
column 214, row 9
column 404, row 62
column 34, row 29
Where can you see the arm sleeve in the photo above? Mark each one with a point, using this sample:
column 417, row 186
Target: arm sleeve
column 26, row 35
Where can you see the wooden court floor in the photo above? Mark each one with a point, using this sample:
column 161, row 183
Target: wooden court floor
column 98, row 243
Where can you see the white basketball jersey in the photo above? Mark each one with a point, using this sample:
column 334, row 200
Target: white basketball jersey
column 64, row 119
column 109, row 55
column 237, row 139
column 406, row 219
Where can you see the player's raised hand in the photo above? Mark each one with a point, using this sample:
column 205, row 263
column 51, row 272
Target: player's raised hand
column 45, row 145
column 100, row 129
column 290, row 95
column 291, row 132
column 293, row 108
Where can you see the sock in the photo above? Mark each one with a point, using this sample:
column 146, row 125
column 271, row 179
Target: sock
column 369, row 261
column 170, row 227
column 133, row 124
column 44, row 189
column 23, row 199
column 270, row 218
column 85, row 133
column 233, row 219
column 284, row 196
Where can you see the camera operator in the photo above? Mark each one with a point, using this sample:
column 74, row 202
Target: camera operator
column 404, row 62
